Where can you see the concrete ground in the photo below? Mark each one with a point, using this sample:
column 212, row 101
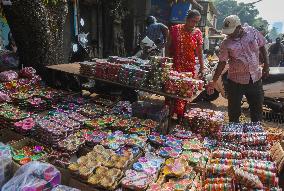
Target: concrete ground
column 221, row 104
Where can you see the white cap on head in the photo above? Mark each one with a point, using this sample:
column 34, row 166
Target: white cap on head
column 230, row 24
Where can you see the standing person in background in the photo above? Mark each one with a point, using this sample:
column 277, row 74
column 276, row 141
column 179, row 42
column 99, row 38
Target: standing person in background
column 241, row 50
column 185, row 40
column 276, row 53
column 157, row 32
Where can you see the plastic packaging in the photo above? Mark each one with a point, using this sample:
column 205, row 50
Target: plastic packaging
column 266, row 177
column 5, row 164
column 226, row 154
column 247, row 179
column 218, row 187
column 64, row 188
column 34, row 176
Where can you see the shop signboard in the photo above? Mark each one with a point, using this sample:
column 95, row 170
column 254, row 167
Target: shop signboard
column 179, row 12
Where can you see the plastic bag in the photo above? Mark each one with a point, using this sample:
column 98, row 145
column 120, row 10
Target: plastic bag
column 6, row 167
column 64, row 188
column 34, row 176
column 8, row 76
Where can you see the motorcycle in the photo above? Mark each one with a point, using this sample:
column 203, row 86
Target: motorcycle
column 81, row 51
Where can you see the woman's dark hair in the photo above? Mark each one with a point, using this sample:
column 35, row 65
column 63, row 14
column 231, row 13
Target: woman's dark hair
column 193, row 13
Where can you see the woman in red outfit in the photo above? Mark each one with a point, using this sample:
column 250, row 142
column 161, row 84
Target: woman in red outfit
column 185, row 40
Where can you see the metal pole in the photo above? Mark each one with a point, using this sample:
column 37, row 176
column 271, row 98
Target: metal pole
column 76, row 29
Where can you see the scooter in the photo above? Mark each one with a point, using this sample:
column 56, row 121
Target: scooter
column 80, row 48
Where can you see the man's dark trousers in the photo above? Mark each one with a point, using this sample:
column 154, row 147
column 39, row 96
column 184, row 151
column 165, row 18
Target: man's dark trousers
column 254, row 94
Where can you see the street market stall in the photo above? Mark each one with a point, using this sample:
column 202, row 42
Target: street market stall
column 52, row 137
column 155, row 76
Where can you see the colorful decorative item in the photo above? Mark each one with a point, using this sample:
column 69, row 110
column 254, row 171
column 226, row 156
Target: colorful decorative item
column 28, row 154
column 136, row 180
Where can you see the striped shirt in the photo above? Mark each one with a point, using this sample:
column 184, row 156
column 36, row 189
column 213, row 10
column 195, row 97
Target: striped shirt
column 242, row 55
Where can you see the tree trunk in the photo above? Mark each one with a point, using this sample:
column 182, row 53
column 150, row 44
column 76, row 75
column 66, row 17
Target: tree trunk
column 37, row 28
column 115, row 13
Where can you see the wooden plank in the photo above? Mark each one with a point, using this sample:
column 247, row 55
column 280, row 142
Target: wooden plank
column 74, row 68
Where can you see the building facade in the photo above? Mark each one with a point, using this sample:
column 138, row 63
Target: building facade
column 113, row 25
column 172, row 12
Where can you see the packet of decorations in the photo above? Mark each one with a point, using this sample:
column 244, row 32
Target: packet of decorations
column 34, row 176
column 5, row 164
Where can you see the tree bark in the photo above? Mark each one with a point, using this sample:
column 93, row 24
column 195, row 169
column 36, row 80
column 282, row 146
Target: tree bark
column 115, row 13
column 37, row 28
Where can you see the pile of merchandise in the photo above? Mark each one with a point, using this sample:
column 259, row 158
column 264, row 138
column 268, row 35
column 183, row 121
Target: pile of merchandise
column 182, row 84
column 10, row 114
column 205, row 122
column 242, row 160
column 117, row 146
column 101, row 167
column 30, row 151
column 37, row 176
column 155, row 74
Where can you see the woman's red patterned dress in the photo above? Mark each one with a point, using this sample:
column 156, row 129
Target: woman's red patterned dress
column 184, row 44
